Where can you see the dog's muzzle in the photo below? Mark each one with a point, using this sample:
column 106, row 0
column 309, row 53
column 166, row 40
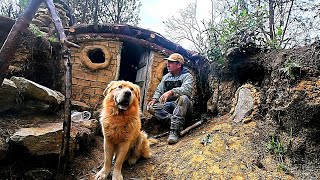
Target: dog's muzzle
column 123, row 99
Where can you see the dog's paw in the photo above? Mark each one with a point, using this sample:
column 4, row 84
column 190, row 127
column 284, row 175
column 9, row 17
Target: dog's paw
column 117, row 175
column 101, row 175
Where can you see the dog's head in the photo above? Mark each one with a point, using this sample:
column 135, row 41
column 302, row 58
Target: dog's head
column 123, row 93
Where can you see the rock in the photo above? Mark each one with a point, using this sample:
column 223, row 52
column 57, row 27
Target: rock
column 86, row 130
column 8, row 95
column 213, row 101
column 79, row 106
column 37, row 91
column 39, row 174
column 31, row 107
column 41, row 140
column 91, row 124
column 3, row 148
column 246, row 99
column 47, row 138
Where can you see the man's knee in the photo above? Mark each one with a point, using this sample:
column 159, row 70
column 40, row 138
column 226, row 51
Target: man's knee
column 183, row 100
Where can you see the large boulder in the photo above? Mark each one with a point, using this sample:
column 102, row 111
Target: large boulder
column 8, row 95
column 41, row 140
column 37, row 91
column 47, row 138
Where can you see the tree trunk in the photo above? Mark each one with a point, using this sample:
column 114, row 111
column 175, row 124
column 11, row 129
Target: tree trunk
column 271, row 19
column 13, row 40
column 286, row 25
column 95, row 16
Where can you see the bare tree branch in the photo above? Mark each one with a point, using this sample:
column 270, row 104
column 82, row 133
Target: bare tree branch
column 13, row 40
column 57, row 23
column 287, row 22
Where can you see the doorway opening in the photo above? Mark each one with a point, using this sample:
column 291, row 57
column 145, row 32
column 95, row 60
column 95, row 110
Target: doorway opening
column 131, row 55
column 134, row 66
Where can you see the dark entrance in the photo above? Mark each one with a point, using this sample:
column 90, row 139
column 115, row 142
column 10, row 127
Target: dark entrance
column 134, row 66
column 130, row 58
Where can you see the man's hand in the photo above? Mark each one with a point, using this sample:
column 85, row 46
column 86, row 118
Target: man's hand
column 150, row 104
column 165, row 96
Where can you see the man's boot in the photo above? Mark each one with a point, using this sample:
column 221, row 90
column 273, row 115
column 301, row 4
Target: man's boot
column 175, row 128
column 173, row 137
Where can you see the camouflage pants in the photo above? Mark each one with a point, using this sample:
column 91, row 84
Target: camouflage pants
column 173, row 113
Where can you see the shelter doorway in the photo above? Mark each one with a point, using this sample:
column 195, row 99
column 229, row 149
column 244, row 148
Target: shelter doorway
column 134, row 65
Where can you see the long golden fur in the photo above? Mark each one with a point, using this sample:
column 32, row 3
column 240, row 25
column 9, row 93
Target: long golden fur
column 121, row 127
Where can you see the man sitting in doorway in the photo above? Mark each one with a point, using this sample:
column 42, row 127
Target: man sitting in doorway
column 171, row 103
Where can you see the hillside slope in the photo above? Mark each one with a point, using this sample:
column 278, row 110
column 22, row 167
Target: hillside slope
column 219, row 149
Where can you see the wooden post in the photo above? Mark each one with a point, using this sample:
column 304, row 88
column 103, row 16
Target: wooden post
column 64, row 154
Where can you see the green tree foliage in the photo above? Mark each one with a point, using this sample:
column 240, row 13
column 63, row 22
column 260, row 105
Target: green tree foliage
column 11, row 8
column 111, row 11
column 235, row 23
column 121, row 11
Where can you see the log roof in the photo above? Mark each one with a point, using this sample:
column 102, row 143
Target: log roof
column 139, row 36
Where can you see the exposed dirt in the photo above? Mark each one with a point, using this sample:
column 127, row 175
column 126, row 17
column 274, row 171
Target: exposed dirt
column 218, row 149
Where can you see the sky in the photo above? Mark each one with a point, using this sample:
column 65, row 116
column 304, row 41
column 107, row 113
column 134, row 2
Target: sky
column 154, row 12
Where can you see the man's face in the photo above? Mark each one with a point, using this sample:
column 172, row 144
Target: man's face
column 173, row 66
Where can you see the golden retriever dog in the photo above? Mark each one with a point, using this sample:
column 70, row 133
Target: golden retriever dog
column 121, row 127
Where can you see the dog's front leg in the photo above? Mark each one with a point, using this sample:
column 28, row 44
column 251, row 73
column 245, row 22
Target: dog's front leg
column 108, row 155
column 122, row 151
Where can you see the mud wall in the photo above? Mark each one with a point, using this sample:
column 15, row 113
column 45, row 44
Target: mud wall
column 90, row 77
column 36, row 59
column 156, row 70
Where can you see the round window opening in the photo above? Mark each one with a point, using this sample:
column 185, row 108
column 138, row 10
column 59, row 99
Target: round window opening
column 96, row 55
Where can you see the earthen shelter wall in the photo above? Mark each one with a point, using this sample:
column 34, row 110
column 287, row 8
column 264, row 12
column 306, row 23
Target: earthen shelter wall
column 90, row 79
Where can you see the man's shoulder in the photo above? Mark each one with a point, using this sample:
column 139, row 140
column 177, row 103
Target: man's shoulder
column 166, row 76
column 187, row 75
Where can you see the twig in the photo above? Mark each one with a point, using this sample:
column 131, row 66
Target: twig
column 160, row 135
column 185, row 131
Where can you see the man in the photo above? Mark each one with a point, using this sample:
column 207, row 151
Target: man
column 171, row 103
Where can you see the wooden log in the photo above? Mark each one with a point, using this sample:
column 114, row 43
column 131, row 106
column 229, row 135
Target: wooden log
column 185, row 131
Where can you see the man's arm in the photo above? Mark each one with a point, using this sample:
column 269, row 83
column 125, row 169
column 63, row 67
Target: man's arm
column 157, row 94
column 159, row 91
column 186, row 87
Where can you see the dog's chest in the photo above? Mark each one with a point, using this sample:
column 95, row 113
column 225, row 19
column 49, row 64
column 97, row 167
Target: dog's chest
column 118, row 133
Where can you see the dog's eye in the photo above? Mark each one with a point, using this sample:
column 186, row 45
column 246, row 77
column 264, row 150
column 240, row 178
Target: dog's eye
column 120, row 87
column 131, row 89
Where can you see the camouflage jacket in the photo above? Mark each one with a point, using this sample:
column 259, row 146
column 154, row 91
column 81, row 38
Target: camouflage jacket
column 180, row 85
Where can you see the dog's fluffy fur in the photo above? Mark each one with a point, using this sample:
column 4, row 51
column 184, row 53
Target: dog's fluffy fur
column 121, row 127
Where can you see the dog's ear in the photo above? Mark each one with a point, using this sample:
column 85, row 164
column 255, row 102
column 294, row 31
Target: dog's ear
column 105, row 92
column 137, row 91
